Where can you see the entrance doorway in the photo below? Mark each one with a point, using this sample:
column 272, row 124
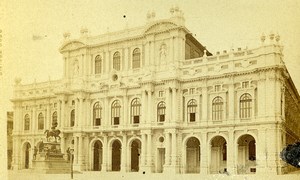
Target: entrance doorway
column 116, row 156
column 193, row 155
column 218, row 161
column 135, row 155
column 246, row 155
column 27, row 154
column 97, row 152
column 160, row 160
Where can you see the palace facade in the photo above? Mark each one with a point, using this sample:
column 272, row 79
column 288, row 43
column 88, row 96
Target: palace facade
column 153, row 99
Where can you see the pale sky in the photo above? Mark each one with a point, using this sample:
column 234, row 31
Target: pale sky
column 218, row 24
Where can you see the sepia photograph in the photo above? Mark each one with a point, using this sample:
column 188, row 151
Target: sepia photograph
column 155, row 89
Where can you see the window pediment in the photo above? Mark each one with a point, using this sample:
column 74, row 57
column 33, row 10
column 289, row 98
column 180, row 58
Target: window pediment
column 72, row 46
column 160, row 27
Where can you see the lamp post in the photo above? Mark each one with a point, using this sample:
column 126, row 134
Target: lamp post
column 71, row 159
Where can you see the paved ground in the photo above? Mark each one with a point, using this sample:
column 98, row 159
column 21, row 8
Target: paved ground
column 28, row 175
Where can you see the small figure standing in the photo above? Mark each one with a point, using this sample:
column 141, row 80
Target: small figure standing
column 35, row 150
column 69, row 154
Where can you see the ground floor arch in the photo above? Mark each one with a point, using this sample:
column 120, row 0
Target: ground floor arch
column 246, row 154
column 135, row 149
column 193, row 155
column 218, row 159
column 26, row 155
column 97, row 155
column 116, row 156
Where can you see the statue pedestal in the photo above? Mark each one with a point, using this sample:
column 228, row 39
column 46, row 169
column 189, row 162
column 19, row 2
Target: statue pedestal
column 50, row 160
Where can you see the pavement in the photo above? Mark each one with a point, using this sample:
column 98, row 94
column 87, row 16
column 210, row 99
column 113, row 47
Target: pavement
column 87, row 175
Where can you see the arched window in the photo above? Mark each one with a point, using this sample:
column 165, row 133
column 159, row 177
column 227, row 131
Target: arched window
column 115, row 112
column 98, row 63
column 135, row 110
column 40, row 121
column 161, row 111
column 217, row 108
column 72, row 118
column 26, row 122
column 245, row 106
column 136, row 58
column 97, row 114
column 54, row 119
column 117, row 61
column 191, row 110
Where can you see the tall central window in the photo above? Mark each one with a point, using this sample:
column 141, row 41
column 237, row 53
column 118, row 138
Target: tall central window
column 136, row 58
column 135, row 111
column 115, row 112
column 217, row 108
column 40, row 121
column 161, row 111
column 117, row 61
column 191, row 110
column 98, row 62
column 26, row 122
column 245, row 106
column 97, row 113
column 72, row 118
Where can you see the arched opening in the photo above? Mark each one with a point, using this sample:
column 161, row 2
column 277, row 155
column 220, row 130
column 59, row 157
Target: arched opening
column 246, row 155
column 116, row 156
column 135, row 155
column 193, row 155
column 218, row 163
column 27, row 148
column 97, row 154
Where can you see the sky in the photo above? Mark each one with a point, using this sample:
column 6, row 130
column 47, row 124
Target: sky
column 33, row 30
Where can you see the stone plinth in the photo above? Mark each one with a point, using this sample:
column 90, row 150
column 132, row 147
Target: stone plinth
column 50, row 160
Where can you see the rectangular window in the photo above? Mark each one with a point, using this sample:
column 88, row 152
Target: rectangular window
column 217, row 87
column 161, row 94
column 98, row 121
column 192, row 90
column 192, row 117
column 116, row 120
column 161, row 118
column 245, row 84
column 136, row 119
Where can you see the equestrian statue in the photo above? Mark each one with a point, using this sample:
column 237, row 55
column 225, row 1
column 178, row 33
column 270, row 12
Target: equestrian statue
column 53, row 132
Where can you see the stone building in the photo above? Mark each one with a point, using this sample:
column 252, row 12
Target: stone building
column 154, row 99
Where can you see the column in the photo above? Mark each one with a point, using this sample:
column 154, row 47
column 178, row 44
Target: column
column 168, row 107
column 59, row 114
column 107, row 60
column 123, row 156
column 230, row 157
column 106, row 113
column 76, row 112
column 174, row 106
column 149, row 149
column 152, row 58
column 171, row 54
column 261, row 154
column 168, row 149
column 147, row 54
column 124, row 119
column 144, row 107
column 63, row 120
column 80, row 154
column 80, row 110
column 174, row 150
column 231, row 103
column 149, row 107
column 33, row 121
column 204, row 105
column 105, row 152
column 75, row 150
column 48, row 123
column 143, row 154
column 204, row 154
